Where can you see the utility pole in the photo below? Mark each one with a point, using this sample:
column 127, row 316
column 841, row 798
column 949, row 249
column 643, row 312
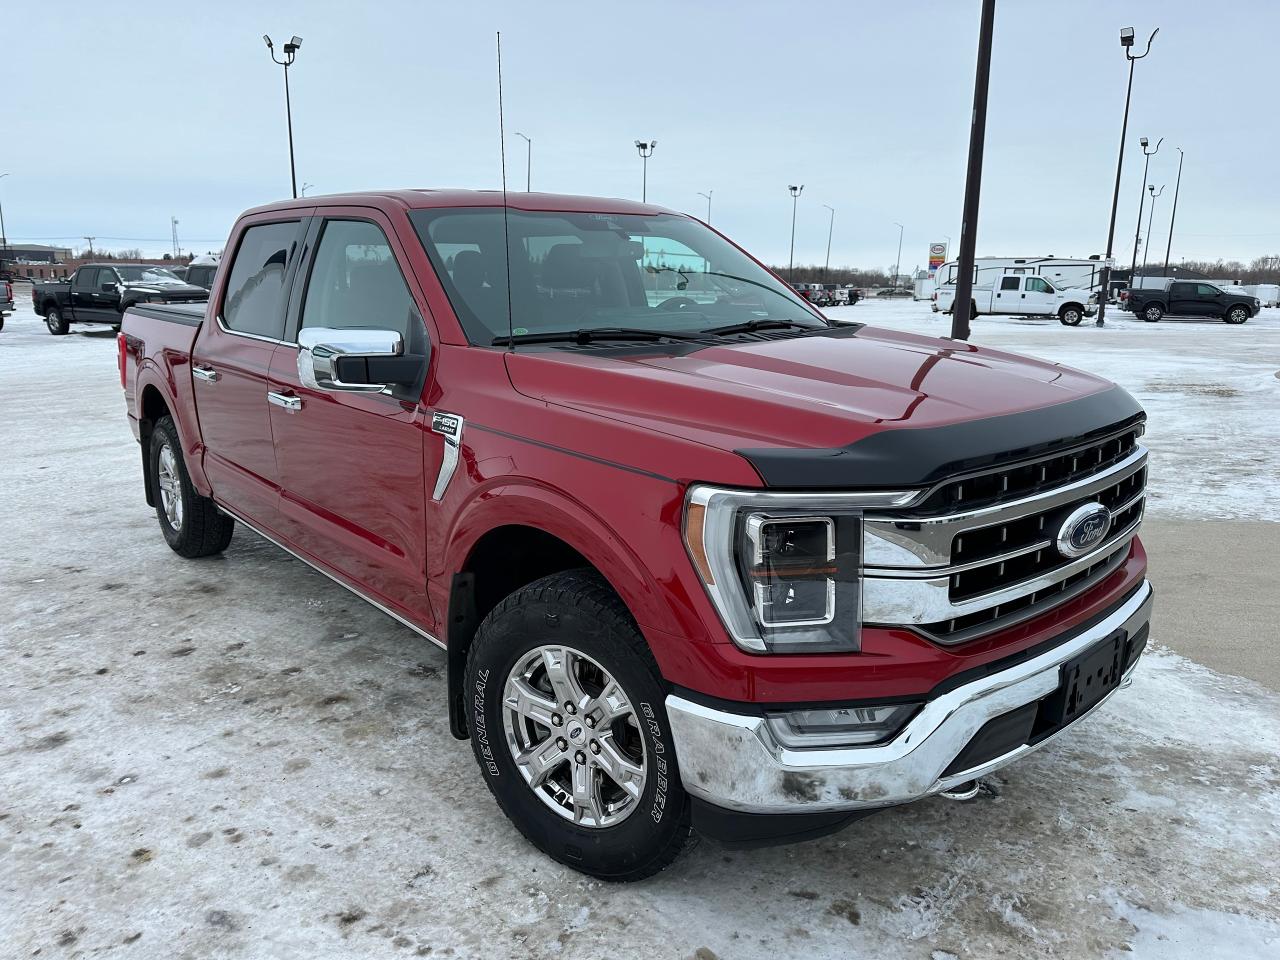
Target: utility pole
column 1142, row 196
column 791, row 261
column 528, row 162
column 831, row 226
column 645, row 148
column 1173, row 216
column 173, row 224
column 1126, row 42
column 290, row 51
column 4, row 237
column 1150, row 217
column 960, row 308
column 90, row 239
column 897, row 264
column 708, row 196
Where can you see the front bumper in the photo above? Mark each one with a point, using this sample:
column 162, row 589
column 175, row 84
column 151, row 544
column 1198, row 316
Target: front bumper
column 732, row 761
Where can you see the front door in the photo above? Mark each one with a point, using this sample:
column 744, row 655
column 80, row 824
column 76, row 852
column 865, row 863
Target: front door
column 352, row 472
column 231, row 360
column 1039, row 297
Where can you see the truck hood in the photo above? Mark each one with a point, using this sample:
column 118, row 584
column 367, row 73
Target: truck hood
column 846, row 407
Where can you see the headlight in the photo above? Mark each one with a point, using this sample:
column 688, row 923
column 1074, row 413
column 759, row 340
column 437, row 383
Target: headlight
column 784, row 570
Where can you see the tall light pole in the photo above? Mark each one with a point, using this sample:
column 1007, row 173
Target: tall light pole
column 528, row 162
column 173, row 224
column 963, row 303
column 791, row 261
column 4, row 237
column 290, row 51
column 831, row 225
column 645, row 148
column 1173, row 216
column 1150, row 217
column 302, row 190
column 1126, row 42
column 897, row 264
column 1137, row 233
column 708, row 196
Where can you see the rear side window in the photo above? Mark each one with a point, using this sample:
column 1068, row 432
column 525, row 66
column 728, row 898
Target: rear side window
column 1009, row 283
column 254, row 302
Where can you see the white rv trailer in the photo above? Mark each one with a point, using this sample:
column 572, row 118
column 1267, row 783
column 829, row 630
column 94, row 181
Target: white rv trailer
column 1060, row 271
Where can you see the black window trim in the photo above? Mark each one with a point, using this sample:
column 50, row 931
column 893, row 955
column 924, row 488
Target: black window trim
column 304, row 224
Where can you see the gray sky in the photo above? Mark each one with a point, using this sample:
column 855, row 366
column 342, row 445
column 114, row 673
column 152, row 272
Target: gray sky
column 137, row 111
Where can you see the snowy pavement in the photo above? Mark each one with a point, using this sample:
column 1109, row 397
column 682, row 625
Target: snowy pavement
column 236, row 758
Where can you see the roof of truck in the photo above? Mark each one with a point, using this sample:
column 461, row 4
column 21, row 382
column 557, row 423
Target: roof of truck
column 423, row 198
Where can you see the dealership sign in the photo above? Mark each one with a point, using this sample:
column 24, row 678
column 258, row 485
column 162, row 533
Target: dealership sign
column 937, row 257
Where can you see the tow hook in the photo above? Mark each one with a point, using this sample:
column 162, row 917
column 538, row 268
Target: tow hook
column 963, row 791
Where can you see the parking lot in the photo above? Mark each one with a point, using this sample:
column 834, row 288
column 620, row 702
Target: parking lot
column 234, row 757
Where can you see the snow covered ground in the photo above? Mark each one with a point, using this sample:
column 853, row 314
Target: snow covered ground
column 236, row 758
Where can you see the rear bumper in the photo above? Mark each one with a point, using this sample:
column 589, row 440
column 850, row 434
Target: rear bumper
column 732, row 761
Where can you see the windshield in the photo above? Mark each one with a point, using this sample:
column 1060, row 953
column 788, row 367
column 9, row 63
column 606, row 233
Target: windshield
column 146, row 275
column 579, row 271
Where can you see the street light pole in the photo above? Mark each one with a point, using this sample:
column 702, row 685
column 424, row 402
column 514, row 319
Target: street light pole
column 1173, row 216
column 290, row 51
column 1150, row 217
column 4, row 237
column 645, row 149
column 1126, row 42
column 528, row 163
column 708, row 196
column 897, row 264
column 791, row 261
column 831, row 225
column 1137, row 233
column 960, row 307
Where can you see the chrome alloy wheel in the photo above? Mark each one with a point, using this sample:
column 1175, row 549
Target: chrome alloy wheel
column 170, row 491
column 574, row 736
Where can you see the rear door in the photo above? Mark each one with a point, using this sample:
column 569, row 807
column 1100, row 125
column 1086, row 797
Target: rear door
column 1183, row 300
column 1008, row 295
column 82, row 298
column 230, row 364
column 352, row 472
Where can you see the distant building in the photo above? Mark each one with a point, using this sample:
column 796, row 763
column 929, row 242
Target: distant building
column 34, row 253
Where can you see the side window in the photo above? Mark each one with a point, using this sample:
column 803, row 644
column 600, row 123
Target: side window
column 1036, row 285
column 254, row 301
column 355, row 282
column 105, row 275
column 1009, row 283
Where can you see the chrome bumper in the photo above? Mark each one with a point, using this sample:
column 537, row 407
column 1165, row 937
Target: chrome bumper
column 732, row 760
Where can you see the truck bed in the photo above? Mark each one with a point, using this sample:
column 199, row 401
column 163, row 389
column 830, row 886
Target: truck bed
column 191, row 314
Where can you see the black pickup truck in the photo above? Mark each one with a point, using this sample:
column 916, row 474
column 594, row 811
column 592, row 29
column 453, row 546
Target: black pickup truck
column 102, row 292
column 1191, row 298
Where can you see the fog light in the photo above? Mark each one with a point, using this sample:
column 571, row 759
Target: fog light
column 840, row 726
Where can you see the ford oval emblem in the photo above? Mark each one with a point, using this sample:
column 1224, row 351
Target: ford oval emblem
column 1083, row 530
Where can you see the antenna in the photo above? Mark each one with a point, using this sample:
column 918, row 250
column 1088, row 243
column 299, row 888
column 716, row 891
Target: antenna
column 506, row 229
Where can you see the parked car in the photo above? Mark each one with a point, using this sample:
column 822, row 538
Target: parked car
column 201, row 274
column 715, row 566
column 102, row 292
column 6, row 300
column 1018, row 294
column 1191, row 298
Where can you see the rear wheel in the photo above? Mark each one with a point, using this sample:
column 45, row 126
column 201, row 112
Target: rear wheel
column 1236, row 315
column 1152, row 313
column 55, row 321
column 1071, row 315
column 566, row 711
column 192, row 525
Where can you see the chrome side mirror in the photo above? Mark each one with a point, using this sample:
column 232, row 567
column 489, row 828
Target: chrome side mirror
column 332, row 359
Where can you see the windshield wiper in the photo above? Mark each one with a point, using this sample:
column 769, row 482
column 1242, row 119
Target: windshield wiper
column 594, row 335
column 751, row 326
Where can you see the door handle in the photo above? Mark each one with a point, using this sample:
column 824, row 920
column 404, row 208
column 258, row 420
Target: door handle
column 205, row 373
column 290, row 403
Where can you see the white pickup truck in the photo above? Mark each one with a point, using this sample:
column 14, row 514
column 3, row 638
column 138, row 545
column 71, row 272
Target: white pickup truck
column 1022, row 295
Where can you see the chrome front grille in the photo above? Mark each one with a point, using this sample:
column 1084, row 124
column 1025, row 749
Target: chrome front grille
column 960, row 574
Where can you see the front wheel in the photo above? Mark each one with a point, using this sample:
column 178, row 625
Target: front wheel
column 192, row 525
column 1071, row 315
column 566, row 711
column 1152, row 313
column 1236, row 315
column 56, row 322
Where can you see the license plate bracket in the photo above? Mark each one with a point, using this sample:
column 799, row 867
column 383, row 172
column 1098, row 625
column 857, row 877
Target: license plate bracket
column 1084, row 681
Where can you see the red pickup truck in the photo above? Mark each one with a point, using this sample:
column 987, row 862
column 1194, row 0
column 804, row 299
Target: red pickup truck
column 700, row 565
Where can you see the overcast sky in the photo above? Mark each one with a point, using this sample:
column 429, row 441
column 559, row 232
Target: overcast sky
column 132, row 112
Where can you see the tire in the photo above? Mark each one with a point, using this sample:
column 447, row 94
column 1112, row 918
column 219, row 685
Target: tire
column 575, row 619
column 192, row 525
column 1152, row 313
column 1236, row 316
column 1071, row 315
column 56, row 322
